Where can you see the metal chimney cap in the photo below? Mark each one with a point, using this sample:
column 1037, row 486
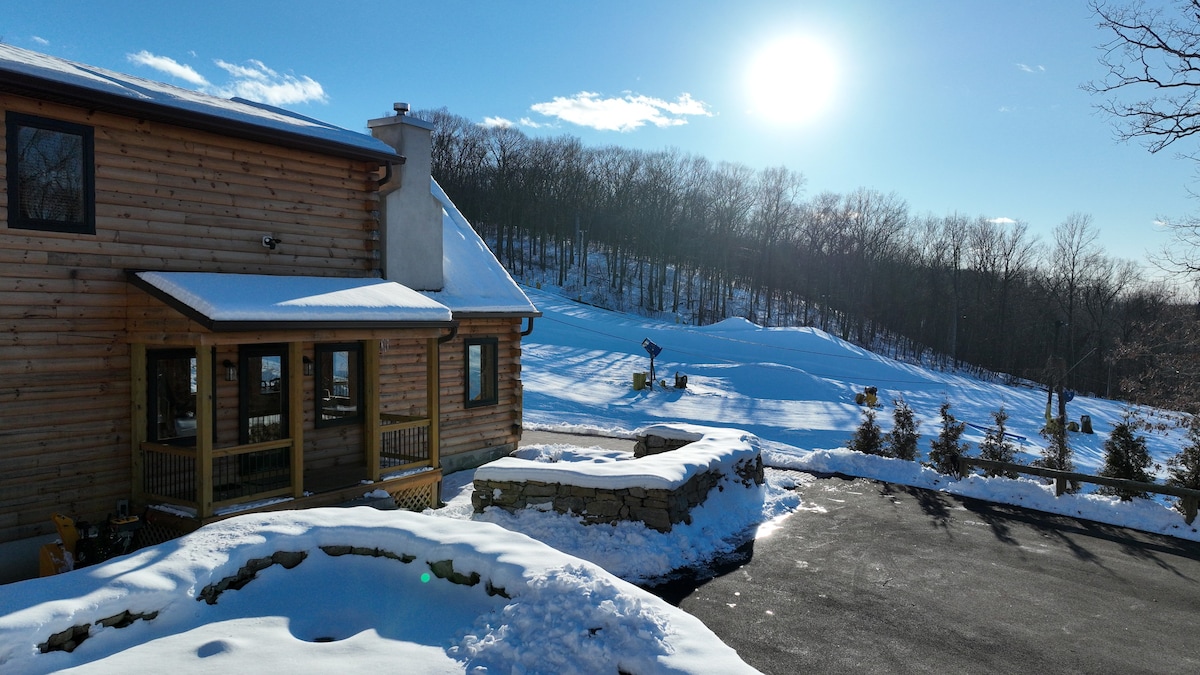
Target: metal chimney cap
column 400, row 107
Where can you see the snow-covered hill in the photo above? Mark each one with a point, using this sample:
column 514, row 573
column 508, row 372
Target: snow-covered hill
column 795, row 388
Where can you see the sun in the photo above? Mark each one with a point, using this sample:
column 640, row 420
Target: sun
column 791, row 80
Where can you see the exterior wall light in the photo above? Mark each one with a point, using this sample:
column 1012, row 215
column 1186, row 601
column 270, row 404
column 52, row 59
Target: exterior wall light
column 230, row 371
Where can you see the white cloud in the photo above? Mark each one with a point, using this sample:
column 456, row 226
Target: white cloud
column 287, row 90
column 41, row 40
column 252, row 80
column 256, row 70
column 1002, row 221
column 496, row 122
column 624, row 113
column 169, row 66
column 1031, row 69
column 505, row 123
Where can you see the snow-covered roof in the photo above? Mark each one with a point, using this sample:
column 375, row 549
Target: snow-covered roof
column 233, row 301
column 31, row 73
column 474, row 282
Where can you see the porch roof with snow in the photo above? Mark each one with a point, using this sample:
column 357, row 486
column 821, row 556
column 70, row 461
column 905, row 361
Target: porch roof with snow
column 233, row 302
column 28, row 73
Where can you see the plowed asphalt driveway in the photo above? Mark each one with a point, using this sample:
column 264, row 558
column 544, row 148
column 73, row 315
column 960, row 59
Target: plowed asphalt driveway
column 876, row 578
column 890, row 579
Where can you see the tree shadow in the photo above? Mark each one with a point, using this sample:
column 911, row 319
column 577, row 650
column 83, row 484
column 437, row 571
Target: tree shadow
column 935, row 505
column 1067, row 530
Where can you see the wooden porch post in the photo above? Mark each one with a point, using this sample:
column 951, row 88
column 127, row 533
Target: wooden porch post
column 372, row 423
column 433, row 393
column 295, row 379
column 137, row 419
column 204, row 431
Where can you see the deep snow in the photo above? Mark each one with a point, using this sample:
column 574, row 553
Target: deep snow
column 792, row 388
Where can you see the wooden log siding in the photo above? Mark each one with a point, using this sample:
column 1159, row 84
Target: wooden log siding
column 463, row 429
column 167, row 198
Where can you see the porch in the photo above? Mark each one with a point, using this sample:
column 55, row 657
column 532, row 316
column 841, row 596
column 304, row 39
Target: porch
column 249, row 416
column 262, row 476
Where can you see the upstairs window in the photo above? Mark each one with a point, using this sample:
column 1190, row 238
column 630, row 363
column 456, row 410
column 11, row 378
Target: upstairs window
column 482, row 373
column 51, row 181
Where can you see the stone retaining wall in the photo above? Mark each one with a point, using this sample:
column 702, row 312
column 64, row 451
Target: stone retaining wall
column 659, row 509
column 653, row 445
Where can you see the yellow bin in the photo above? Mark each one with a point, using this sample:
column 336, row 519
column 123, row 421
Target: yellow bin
column 639, row 381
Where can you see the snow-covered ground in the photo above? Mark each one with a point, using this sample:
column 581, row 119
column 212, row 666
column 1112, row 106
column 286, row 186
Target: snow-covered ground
column 792, row 389
column 375, row 590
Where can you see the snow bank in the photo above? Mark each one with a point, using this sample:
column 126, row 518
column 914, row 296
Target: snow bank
column 530, row 608
column 1140, row 514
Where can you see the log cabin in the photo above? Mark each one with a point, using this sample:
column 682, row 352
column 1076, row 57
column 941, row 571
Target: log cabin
column 213, row 305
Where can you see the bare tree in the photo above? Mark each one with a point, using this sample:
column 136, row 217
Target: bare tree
column 1074, row 257
column 1154, row 56
column 1152, row 92
column 777, row 191
column 1113, row 278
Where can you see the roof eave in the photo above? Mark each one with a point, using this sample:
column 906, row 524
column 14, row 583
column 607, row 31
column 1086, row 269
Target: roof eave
column 219, row 326
column 33, row 86
column 518, row 314
column 232, row 326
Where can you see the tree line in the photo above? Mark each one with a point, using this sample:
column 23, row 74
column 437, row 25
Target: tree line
column 678, row 234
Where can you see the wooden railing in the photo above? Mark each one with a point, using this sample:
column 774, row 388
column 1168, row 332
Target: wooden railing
column 239, row 474
column 1190, row 498
column 258, row 471
column 405, row 443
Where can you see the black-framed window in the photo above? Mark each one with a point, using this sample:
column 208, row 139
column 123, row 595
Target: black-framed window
column 262, row 393
column 171, row 396
column 339, row 388
column 51, row 174
column 482, row 374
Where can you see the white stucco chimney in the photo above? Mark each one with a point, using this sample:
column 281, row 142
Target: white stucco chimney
column 411, row 215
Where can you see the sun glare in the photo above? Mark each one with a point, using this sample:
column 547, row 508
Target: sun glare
column 791, row 80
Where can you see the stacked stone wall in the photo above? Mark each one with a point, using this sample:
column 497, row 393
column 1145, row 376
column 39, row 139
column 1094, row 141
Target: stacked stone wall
column 653, row 445
column 660, row 509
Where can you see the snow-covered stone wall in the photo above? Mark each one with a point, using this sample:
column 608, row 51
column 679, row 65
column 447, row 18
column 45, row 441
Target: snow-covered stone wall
column 659, row 489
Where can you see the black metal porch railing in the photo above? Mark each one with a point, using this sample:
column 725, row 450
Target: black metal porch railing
column 240, row 473
column 169, row 472
column 404, row 442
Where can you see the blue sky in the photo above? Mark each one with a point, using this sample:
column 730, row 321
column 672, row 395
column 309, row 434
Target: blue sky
column 965, row 106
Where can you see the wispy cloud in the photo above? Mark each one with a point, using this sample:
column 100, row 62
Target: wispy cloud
column 497, row 123
column 1002, row 221
column 251, row 80
column 257, row 82
column 505, row 123
column 41, row 40
column 168, row 65
column 623, row 113
column 1031, row 69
